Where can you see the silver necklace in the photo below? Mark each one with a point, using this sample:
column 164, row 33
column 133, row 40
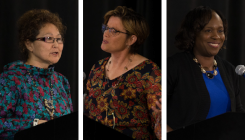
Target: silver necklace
column 47, row 103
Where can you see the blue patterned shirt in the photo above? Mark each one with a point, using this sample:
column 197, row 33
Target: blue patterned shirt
column 22, row 96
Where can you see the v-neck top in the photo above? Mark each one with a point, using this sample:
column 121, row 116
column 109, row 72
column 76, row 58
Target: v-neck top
column 129, row 102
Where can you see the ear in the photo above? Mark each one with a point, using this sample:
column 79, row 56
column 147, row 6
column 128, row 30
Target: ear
column 29, row 45
column 131, row 40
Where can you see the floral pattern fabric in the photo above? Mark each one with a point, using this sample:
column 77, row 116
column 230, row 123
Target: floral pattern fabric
column 23, row 89
column 125, row 103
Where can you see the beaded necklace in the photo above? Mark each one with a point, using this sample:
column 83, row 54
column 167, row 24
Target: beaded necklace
column 208, row 74
column 48, row 103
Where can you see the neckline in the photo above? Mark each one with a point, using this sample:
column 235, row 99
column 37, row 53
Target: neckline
column 107, row 59
column 212, row 70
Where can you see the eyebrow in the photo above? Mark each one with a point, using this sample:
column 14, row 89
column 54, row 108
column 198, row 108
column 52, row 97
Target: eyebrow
column 112, row 28
column 218, row 27
column 51, row 34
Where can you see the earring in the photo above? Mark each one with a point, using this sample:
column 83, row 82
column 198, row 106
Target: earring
column 128, row 47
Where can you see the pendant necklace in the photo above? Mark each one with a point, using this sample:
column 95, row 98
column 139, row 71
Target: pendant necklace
column 107, row 80
column 208, row 74
column 125, row 68
column 47, row 103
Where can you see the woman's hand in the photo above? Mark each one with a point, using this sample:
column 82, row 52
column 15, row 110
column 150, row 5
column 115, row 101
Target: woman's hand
column 158, row 111
column 169, row 129
column 158, row 125
column 41, row 121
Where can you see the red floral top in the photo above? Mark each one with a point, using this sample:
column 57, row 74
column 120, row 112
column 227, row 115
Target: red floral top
column 127, row 106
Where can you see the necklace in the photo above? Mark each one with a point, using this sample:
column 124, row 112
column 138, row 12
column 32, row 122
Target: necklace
column 125, row 68
column 113, row 91
column 208, row 74
column 48, row 103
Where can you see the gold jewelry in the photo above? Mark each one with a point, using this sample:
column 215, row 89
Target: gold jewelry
column 126, row 68
column 208, row 74
column 106, row 118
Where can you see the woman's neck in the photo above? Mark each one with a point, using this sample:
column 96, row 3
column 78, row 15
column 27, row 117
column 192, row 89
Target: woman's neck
column 119, row 59
column 37, row 64
column 206, row 62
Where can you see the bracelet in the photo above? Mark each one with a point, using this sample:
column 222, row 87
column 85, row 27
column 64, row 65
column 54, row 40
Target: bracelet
column 35, row 122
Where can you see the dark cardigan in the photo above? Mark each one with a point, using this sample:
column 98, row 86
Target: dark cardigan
column 188, row 99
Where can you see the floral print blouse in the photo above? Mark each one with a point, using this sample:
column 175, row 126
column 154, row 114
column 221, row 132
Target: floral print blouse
column 23, row 89
column 125, row 103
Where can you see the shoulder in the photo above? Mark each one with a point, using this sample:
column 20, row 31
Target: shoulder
column 101, row 62
column 61, row 77
column 148, row 67
column 12, row 74
column 225, row 64
column 178, row 57
column 179, row 60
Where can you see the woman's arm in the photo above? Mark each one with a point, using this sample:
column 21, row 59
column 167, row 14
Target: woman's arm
column 10, row 123
column 153, row 98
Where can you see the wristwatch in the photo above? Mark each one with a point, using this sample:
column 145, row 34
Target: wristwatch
column 35, row 122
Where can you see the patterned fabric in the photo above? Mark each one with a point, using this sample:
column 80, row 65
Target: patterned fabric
column 21, row 101
column 128, row 104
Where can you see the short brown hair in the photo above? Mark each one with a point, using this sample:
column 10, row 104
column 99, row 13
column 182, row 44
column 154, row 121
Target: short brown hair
column 31, row 22
column 133, row 23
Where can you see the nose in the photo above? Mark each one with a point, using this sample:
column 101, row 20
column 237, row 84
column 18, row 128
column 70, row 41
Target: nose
column 55, row 43
column 216, row 35
column 106, row 33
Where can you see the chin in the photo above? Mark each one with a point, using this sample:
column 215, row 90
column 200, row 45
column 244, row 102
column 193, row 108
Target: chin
column 103, row 48
column 54, row 62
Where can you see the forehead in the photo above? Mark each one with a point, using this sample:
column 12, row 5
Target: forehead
column 49, row 29
column 215, row 21
column 115, row 22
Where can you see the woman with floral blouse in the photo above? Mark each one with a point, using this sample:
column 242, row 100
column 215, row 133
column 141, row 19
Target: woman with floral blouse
column 125, row 89
column 31, row 92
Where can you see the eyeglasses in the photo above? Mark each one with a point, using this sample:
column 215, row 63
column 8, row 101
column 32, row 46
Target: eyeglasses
column 112, row 31
column 51, row 40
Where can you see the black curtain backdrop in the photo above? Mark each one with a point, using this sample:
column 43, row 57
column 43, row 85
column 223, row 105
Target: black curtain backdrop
column 10, row 12
column 93, row 17
column 234, row 12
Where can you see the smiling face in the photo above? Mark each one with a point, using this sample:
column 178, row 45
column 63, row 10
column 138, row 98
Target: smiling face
column 211, row 38
column 115, row 43
column 43, row 54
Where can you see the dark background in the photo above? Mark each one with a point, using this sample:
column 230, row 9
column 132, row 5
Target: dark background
column 93, row 17
column 233, row 11
column 11, row 11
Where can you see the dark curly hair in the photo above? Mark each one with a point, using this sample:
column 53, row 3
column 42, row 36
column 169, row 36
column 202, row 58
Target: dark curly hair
column 133, row 22
column 31, row 22
column 193, row 23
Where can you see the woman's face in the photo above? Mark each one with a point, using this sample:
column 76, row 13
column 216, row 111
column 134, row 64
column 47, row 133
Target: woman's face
column 211, row 38
column 117, row 43
column 43, row 52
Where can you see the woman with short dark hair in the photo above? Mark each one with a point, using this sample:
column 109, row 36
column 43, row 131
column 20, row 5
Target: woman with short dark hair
column 31, row 92
column 124, row 89
column 200, row 84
